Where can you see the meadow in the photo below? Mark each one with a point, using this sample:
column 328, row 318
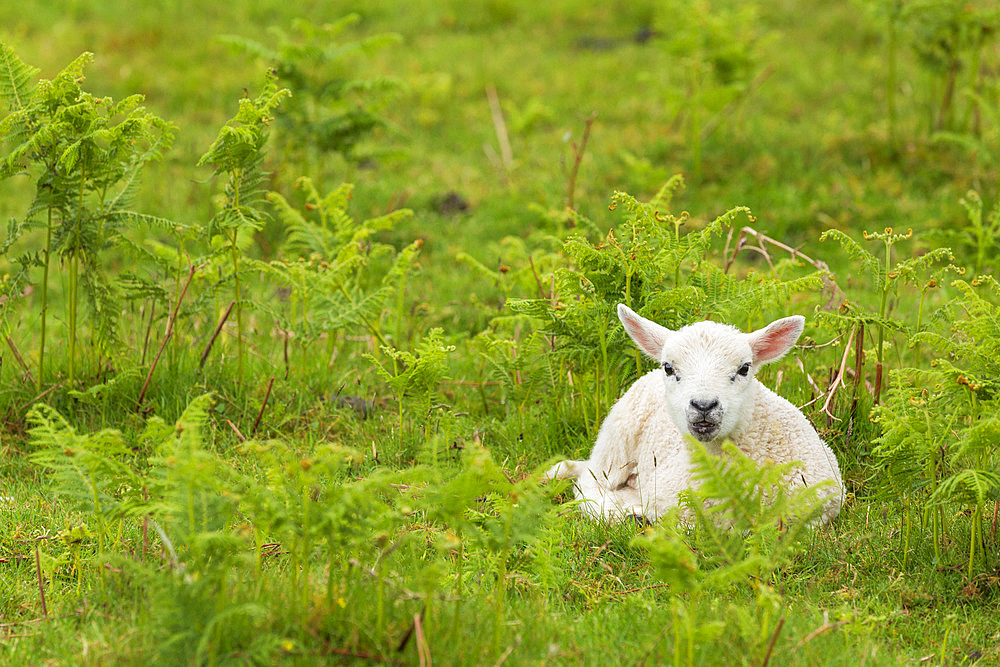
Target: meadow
column 299, row 301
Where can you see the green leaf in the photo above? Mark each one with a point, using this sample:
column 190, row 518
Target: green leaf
column 16, row 80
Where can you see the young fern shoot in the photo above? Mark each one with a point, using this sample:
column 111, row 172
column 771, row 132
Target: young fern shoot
column 885, row 277
column 86, row 154
column 238, row 152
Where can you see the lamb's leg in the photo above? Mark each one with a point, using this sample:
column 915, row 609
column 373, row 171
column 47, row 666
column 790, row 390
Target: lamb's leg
column 600, row 502
column 566, row 470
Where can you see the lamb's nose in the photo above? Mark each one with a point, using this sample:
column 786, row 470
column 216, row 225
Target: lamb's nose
column 704, row 406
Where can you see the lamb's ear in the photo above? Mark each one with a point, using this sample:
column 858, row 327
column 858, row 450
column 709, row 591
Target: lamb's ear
column 774, row 340
column 648, row 335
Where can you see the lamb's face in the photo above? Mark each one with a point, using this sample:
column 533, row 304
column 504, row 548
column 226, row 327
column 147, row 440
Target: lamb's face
column 708, row 368
column 708, row 377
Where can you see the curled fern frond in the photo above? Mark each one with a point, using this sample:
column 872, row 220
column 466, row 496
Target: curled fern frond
column 868, row 262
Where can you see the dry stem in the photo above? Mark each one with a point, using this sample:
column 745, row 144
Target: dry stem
column 20, row 360
column 260, row 414
column 761, row 248
column 192, row 269
column 215, row 334
column 578, row 151
column 41, row 582
column 839, row 380
column 774, row 638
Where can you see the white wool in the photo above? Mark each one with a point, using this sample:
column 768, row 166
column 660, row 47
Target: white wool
column 705, row 388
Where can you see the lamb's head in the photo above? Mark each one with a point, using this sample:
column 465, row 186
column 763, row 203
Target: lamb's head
column 708, row 368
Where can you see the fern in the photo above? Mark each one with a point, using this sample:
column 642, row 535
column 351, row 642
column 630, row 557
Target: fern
column 940, row 425
column 886, row 278
column 740, row 526
column 969, row 487
column 17, row 86
column 983, row 232
column 238, row 153
column 91, row 471
column 647, row 263
column 85, row 154
column 869, row 264
column 417, row 374
column 341, row 279
column 328, row 113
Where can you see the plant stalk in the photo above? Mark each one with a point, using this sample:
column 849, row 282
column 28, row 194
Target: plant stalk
column 45, row 302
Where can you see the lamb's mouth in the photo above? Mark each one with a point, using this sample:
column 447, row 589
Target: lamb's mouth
column 703, row 429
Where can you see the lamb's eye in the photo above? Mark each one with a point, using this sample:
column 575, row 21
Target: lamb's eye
column 744, row 369
column 668, row 369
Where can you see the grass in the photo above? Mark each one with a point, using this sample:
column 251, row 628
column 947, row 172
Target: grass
column 808, row 150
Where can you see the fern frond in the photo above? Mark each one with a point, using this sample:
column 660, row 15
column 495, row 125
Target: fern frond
column 869, row 264
column 728, row 298
column 88, row 469
column 665, row 196
column 694, row 245
column 238, row 145
column 106, row 303
column 301, row 237
column 16, row 80
column 126, row 218
column 969, row 487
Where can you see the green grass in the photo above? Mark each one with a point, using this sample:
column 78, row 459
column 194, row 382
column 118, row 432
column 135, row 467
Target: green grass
column 808, row 150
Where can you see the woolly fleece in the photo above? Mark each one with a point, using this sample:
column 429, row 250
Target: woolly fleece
column 640, row 461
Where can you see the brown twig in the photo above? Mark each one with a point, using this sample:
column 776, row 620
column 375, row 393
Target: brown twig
column 149, row 327
column 578, row 151
column 423, row 649
column 166, row 336
column 271, row 550
column 41, row 582
column 20, row 360
column 878, row 381
column 242, row 437
column 839, row 379
column 770, row 646
column 260, row 414
column 826, row 627
column 761, row 239
column 741, row 243
column 819, row 346
column 538, row 281
column 7, row 559
column 40, row 396
column 215, row 334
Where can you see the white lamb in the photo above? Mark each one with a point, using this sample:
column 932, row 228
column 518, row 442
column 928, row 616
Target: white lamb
column 705, row 387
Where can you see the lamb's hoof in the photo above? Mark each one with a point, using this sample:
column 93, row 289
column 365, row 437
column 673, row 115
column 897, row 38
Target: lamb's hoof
column 640, row 521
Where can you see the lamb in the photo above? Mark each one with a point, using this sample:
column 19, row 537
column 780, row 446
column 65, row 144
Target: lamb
column 705, row 388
